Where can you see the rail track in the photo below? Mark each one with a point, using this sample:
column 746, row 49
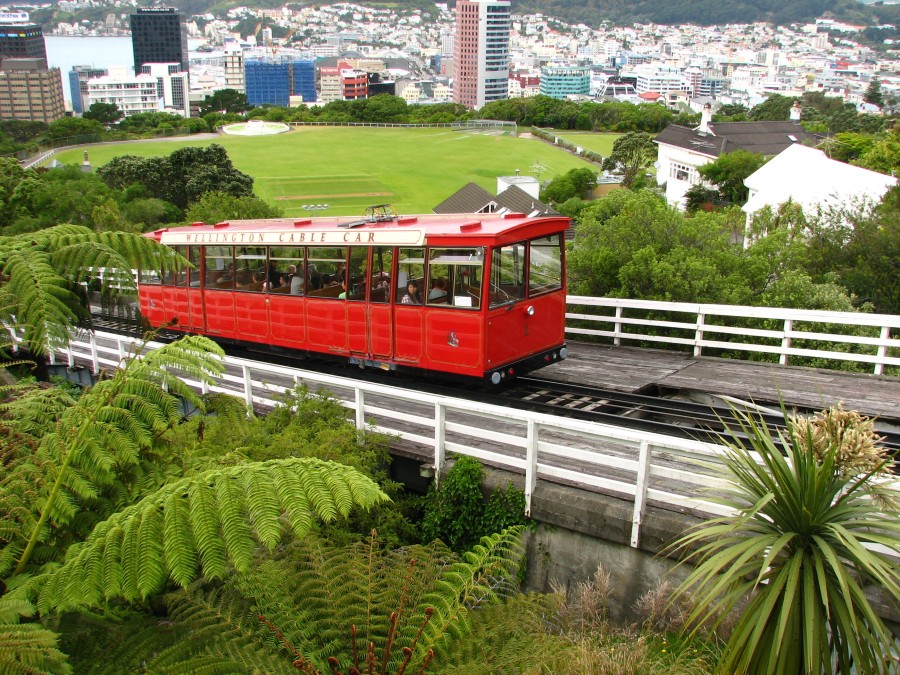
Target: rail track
column 662, row 411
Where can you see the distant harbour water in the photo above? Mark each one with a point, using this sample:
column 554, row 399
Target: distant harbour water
column 98, row 52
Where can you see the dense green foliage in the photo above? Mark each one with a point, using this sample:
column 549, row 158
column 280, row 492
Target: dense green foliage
column 182, row 177
column 631, row 155
column 728, row 171
column 796, row 558
column 633, row 245
column 457, row 512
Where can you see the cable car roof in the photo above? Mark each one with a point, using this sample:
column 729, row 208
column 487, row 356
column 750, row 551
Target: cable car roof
column 451, row 229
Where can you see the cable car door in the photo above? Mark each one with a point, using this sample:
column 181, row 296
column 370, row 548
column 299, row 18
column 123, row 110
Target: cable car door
column 378, row 308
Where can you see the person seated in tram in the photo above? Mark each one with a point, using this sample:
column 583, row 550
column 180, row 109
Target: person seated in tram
column 343, row 294
column 438, row 289
column 412, row 295
column 315, row 278
column 297, row 285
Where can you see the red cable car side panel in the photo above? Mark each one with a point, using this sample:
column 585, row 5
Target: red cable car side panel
column 488, row 317
column 455, row 341
column 287, row 320
column 220, row 313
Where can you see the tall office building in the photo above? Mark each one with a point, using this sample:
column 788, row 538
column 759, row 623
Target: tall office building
column 481, row 52
column 29, row 91
column 20, row 39
column 562, row 81
column 279, row 80
column 159, row 35
column 78, row 85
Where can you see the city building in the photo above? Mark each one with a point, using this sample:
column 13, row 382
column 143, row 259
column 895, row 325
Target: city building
column 159, row 87
column 29, row 91
column 20, row 39
column 481, row 52
column 279, row 80
column 234, row 69
column 78, row 85
column 807, row 177
column 681, row 151
column 159, row 35
column 562, row 81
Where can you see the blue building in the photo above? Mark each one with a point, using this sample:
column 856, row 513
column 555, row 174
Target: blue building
column 78, row 79
column 273, row 80
column 562, row 81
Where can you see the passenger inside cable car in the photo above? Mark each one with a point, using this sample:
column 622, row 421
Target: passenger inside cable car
column 412, row 295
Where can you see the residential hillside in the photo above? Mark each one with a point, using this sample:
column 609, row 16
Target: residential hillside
column 705, row 12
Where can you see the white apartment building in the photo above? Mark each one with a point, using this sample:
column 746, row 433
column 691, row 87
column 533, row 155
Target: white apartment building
column 234, row 69
column 162, row 87
column 661, row 82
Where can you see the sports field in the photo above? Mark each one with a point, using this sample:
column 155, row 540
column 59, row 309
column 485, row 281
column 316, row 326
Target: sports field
column 590, row 140
column 351, row 168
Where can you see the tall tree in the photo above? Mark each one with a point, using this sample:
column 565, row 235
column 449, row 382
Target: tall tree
column 224, row 101
column 105, row 113
column 728, row 171
column 632, row 154
column 874, row 94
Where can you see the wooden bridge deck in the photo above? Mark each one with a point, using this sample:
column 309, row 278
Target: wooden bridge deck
column 634, row 369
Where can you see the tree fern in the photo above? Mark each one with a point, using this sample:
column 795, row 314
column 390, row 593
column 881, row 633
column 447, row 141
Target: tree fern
column 87, row 445
column 29, row 649
column 141, row 558
column 41, row 270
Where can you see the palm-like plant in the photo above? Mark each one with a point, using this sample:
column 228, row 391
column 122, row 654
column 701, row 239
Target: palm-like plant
column 807, row 539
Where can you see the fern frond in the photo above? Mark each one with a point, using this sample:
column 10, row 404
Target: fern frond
column 30, row 649
column 144, row 568
column 484, row 576
column 46, row 305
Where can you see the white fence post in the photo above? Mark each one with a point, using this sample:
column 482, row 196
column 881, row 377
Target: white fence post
column 531, row 448
column 640, row 494
column 786, row 341
column 248, row 386
column 617, row 340
column 882, row 350
column 359, row 399
column 95, row 361
column 71, row 355
column 440, row 450
column 698, row 335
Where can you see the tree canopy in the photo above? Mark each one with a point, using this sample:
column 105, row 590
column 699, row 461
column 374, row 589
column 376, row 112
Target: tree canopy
column 182, row 177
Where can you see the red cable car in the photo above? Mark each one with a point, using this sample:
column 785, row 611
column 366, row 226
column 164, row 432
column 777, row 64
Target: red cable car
column 479, row 296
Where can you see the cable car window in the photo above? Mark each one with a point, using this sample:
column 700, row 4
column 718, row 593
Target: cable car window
column 250, row 268
column 193, row 273
column 410, row 276
column 326, row 267
column 286, row 263
column 507, row 274
column 173, row 277
column 545, row 265
column 149, row 277
column 356, row 274
column 458, row 271
column 380, row 283
column 219, row 267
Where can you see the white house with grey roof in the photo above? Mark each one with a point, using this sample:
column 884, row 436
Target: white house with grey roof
column 681, row 150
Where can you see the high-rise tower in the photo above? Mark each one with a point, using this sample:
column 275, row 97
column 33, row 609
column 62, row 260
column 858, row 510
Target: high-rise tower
column 159, row 35
column 481, row 52
column 20, row 39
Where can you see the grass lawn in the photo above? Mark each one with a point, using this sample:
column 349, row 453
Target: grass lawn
column 352, row 168
column 591, row 140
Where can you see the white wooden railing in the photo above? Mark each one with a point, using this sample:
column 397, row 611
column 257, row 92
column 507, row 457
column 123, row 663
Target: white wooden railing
column 636, row 465
column 627, row 320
